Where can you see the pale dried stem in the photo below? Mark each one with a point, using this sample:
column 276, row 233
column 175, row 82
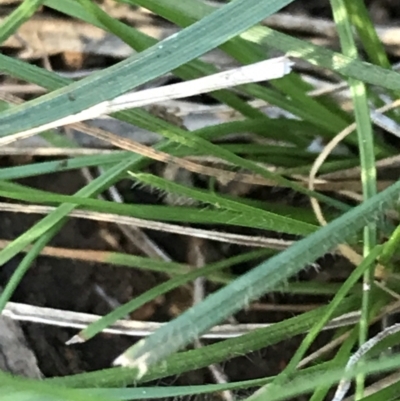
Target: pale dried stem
column 254, row 241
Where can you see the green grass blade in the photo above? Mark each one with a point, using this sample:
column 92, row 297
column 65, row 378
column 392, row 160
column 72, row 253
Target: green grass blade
column 124, row 31
column 222, row 203
column 252, row 285
column 14, row 388
column 302, row 385
column 303, row 382
column 373, row 46
column 52, row 220
column 388, row 393
column 21, row 14
column 52, row 81
column 36, row 169
column 322, row 57
column 140, row 42
column 339, row 360
column 134, row 71
column 367, row 158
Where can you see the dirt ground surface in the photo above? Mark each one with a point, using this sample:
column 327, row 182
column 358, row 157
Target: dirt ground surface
column 71, row 285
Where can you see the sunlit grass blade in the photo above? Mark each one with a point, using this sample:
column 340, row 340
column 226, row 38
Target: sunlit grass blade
column 367, row 158
column 361, row 19
column 323, row 57
column 21, row 14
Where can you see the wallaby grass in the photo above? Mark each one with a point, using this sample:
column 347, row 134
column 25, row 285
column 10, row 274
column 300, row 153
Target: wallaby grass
column 369, row 228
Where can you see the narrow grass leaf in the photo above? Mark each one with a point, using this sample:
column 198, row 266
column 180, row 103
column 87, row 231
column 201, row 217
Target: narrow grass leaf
column 361, row 19
column 262, row 220
column 223, row 203
column 367, row 158
column 322, row 57
column 339, row 360
column 21, row 14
